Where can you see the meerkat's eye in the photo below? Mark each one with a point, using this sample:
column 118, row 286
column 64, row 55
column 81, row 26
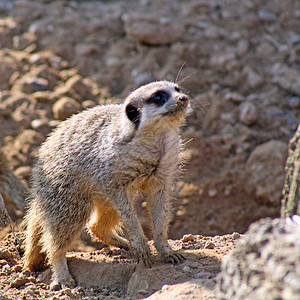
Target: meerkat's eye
column 159, row 98
column 177, row 89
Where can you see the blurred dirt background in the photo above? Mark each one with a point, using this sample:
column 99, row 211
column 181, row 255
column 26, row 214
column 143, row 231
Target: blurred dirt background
column 238, row 60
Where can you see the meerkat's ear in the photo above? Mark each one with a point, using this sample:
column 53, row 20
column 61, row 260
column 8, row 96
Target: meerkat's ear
column 133, row 114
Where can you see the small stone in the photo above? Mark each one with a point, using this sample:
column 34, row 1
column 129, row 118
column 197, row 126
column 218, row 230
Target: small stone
column 19, row 282
column 265, row 15
column 35, row 84
column 23, row 172
column 287, row 78
column 254, row 80
column 65, row 107
column 235, row 235
column 38, row 123
column 248, row 113
column 294, row 102
column 187, row 238
column 234, row 97
column 294, row 40
column 212, row 193
column 209, row 245
column 186, row 269
column 20, row 42
column 41, row 96
column 242, row 47
column 153, row 30
column 6, row 268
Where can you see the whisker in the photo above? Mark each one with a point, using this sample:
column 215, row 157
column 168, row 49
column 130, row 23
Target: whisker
column 187, row 77
column 179, row 72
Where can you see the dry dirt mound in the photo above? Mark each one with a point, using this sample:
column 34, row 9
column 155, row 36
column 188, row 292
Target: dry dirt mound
column 114, row 273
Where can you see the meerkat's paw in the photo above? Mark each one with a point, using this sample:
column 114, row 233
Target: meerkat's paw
column 58, row 284
column 173, row 258
column 143, row 255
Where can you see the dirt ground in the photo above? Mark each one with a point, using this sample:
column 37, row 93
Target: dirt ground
column 114, row 274
column 238, row 60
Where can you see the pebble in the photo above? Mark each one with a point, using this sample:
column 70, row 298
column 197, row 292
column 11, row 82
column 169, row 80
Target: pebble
column 23, row 172
column 65, row 107
column 38, row 123
column 254, row 80
column 265, row 15
column 248, row 113
column 235, row 235
column 209, row 245
column 234, row 97
column 19, row 282
column 187, row 238
column 294, row 102
column 186, row 269
column 153, row 30
column 212, row 193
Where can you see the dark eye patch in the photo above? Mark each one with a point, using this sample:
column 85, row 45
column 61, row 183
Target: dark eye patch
column 159, row 98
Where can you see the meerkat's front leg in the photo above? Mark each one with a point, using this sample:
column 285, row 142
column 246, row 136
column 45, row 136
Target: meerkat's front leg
column 137, row 238
column 159, row 208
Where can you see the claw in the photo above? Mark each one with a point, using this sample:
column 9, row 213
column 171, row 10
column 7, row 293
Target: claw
column 144, row 256
column 174, row 258
column 56, row 285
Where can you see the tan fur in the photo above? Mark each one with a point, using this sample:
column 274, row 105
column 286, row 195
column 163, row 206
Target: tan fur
column 95, row 165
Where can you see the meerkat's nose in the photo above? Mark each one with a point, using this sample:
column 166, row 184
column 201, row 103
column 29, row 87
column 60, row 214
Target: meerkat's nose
column 183, row 99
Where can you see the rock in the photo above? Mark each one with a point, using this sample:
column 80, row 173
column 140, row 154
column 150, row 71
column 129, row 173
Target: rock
column 34, row 84
column 265, row 15
column 293, row 102
column 76, row 84
column 209, row 245
column 152, row 29
column 234, row 97
column 83, row 49
column 192, row 289
column 65, row 107
column 8, row 67
column 187, row 238
column 20, row 42
column 254, row 80
column 21, row 280
column 248, row 113
column 286, row 77
column 265, row 168
column 23, row 172
column 222, row 60
column 265, row 263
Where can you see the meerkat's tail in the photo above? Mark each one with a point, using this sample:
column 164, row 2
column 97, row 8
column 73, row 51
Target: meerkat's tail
column 34, row 258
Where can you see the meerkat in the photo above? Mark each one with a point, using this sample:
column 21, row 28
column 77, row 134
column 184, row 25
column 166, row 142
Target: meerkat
column 94, row 165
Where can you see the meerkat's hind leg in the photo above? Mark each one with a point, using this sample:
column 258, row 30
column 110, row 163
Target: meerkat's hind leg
column 105, row 224
column 34, row 257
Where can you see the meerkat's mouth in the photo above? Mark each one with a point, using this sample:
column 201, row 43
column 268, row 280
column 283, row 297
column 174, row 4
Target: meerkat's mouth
column 179, row 107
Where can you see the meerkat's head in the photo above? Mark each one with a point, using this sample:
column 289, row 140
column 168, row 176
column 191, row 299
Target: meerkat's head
column 159, row 103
